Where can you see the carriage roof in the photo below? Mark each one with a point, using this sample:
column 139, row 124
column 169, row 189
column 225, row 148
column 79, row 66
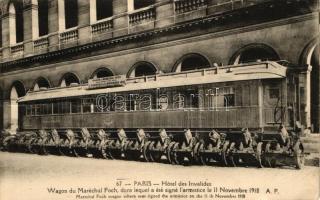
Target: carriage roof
column 248, row 71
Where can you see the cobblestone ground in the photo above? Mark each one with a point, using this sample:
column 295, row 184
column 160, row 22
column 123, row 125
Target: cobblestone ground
column 26, row 176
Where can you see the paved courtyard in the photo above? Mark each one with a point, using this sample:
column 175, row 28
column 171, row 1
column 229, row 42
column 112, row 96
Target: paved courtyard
column 33, row 177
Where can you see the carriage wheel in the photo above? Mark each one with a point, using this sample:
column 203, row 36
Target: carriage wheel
column 298, row 155
column 170, row 153
column 224, row 152
column 259, row 154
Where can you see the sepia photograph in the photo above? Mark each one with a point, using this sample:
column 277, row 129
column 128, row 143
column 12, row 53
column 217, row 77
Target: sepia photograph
column 159, row 99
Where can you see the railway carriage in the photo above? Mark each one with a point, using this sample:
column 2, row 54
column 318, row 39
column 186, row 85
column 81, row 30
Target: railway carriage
column 227, row 114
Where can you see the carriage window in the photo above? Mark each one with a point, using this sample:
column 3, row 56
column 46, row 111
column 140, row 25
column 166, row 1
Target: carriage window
column 228, row 93
column 131, row 102
column 163, row 102
column 65, row 107
column 274, row 93
column 88, row 105
column 178, row 101
column 228, row 100
column 55, row 108
column 28, row 110
column 221, row 97
column 76, row 106
column 37, row 109
column 45, row 109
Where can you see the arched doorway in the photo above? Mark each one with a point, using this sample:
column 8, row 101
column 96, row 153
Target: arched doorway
column 69, row 79
column 191, row 61
column 254, row 53
column 17, row 90
column 313, row 60
column 142, row 69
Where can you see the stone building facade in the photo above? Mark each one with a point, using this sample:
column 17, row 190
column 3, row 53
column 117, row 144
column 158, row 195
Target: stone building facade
column 58, row 43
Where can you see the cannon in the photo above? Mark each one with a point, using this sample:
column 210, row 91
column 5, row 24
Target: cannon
column 5, row 138
column 38, row 143
column 283, row 149
column 81, row 143
column 244, row 150
column 115, row 146
column 212, row 149
column 156, row 148
column 97, row 145
column 67, row 144
column 183, row 149
column 20, row 142
column 53, row 143
column 135, row 146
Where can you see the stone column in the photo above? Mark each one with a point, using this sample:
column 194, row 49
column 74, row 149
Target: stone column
column 120, row 23
column 93, row 11
column 5, row 23
column 56, row 22
column 164, row 14
column 84, row 15
column 30, row 25
column 307, row 86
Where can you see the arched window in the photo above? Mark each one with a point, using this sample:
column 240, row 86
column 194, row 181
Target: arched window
column 69, row 79
column 43, row 17
column 142, row 69
column 71, row 13
column 41, row 83
column 191, row 62
column 16, row 22
column 102, row 72
column 254, row 53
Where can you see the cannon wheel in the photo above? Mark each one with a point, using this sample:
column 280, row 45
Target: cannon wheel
column 195, row 153
column 233, row 159
column 175, row 155
column 155, row 156
column 267, row 160
column 61, row 151
column 146, row 152
column 104, row 153
column 225, row 152
column 170, row 153
column 113, row 152
column 203, row 159
column 298, row 155
column 259, row 154
column 43, row 150
column 132, row 155
column 76, row 153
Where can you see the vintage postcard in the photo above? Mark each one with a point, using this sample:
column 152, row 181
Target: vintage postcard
column 159, row 99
